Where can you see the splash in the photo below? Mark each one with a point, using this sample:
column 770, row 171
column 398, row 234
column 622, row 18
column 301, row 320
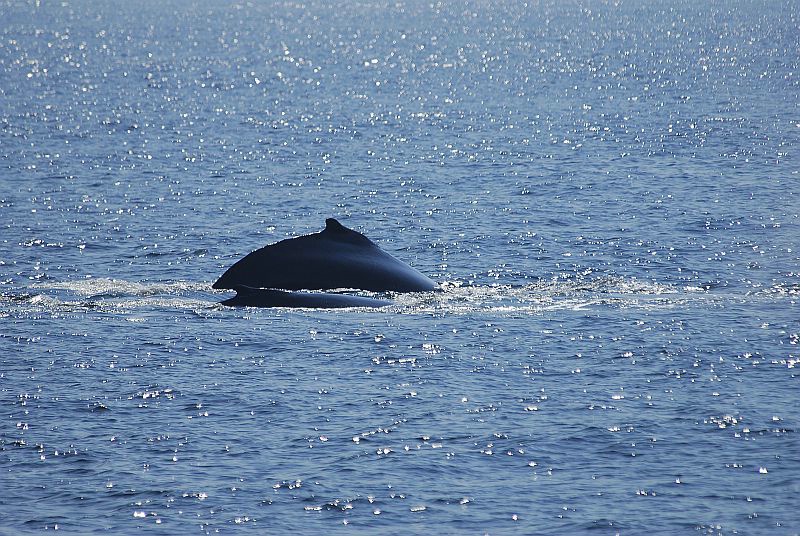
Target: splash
column 455, row 297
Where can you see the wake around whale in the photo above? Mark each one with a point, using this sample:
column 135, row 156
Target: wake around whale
column 334, row 258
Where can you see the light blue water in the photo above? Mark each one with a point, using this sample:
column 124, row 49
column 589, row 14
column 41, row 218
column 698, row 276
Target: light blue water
column 607, row 192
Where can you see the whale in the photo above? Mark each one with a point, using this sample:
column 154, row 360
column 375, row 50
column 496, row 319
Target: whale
column 334, row 258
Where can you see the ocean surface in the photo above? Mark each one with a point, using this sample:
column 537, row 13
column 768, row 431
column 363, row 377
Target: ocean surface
column 608, row 194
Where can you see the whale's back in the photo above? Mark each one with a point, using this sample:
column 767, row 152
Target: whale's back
column 334, row 258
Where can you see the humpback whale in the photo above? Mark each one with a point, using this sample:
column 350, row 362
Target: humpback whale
column 334, row 258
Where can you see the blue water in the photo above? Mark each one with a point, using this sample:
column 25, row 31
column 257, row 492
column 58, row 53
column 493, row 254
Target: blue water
column 607, row 192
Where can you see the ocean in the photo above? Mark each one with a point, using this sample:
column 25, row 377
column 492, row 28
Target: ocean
column 606, row 192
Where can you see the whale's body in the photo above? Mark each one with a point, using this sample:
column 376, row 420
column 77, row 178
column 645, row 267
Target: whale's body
column 334, row 258
column 264, row 297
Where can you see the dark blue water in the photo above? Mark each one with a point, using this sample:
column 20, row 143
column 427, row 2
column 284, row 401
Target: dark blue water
column 607, row 192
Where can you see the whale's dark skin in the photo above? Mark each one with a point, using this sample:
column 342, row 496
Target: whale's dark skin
column 262, row 297
column 335, row 258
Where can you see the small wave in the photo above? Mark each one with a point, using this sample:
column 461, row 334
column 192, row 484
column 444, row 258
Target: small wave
column 109, row 288
column 110, row 296
column 543, row 295
column 778, row 289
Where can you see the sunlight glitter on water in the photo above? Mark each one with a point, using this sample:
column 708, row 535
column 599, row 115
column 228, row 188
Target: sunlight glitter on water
column 605, row 193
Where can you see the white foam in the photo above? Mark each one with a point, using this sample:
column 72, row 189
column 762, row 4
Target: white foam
column 558, row 293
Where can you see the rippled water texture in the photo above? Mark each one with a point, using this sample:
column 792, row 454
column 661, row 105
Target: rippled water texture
column 606, row 192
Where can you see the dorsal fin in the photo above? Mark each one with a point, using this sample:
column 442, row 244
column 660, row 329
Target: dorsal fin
column 333, row 226
column 336, row 231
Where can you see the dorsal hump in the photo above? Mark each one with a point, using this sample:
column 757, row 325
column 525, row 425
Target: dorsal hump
column 336, row 231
